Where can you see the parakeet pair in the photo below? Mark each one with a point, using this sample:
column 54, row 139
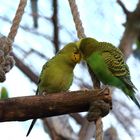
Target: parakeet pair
column 57, row 73
column 107, row 63
column 105, row 60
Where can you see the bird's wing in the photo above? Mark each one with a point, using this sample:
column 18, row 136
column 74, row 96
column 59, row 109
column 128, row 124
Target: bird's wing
column 45, row 66
column 115, row 63
column 117, row 66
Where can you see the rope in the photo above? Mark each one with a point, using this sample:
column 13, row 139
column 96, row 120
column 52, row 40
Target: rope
column 81, row 34
column 6, row 60
column 77, row 20
column 99, row 129
column 17, row 19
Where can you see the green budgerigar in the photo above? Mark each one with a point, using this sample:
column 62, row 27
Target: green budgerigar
column 4, row 93
column 57, row 73
column 107, row 63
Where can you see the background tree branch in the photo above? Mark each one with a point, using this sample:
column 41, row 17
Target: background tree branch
column 132, row 29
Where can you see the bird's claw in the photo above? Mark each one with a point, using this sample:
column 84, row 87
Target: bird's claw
column 103, row 89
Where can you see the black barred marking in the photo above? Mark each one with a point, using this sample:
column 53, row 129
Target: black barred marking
column 114, row 59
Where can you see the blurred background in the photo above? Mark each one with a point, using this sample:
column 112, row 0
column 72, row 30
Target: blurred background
column 45, row 28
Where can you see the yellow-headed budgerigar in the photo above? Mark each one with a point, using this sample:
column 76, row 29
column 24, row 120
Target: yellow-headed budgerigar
column 57, row 73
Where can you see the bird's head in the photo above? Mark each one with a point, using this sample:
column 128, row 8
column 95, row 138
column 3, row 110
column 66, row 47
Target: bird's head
column 86, row 46
column 71, row 51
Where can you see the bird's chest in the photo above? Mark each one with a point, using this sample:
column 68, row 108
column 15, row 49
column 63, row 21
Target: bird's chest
column 57, row 80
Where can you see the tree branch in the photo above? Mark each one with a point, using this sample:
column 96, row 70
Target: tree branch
column 50, row 130
column 29, row 107
column 78, row 118
column 55, row 25
column 131, row 31
column 34, row 8
column 26, row 70
column 123, row 7
column 87, row 131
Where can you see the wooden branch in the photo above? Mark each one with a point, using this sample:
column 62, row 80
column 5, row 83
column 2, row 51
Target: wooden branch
column 29, row 107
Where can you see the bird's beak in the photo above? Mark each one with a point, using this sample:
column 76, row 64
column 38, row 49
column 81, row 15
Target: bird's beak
column 78, row 43
column 77, row 57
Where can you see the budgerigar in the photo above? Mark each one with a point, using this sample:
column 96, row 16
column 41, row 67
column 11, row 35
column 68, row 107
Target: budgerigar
column 107, row 62
column 57, row 73
column 3, row 93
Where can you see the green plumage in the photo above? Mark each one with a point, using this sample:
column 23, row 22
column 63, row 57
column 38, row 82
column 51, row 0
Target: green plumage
column 4, row 93
column 108, row 64
column 57, row 73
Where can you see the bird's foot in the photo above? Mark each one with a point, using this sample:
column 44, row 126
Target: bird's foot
column 105, row 87
column 44, row 93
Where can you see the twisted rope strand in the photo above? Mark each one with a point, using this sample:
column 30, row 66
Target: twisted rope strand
column 77, row 20
column 6, row 60
column 99, row 129
column 17, row 19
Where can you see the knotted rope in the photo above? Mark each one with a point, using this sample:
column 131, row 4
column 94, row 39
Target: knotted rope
column 6, row 60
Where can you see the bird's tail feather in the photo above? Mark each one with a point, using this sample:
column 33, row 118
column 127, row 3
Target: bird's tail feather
column 130, row 92
column 31, row 126
column 135, row 101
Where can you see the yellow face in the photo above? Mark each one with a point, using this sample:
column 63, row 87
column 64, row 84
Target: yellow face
column 72, row 51
column 76, row 56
